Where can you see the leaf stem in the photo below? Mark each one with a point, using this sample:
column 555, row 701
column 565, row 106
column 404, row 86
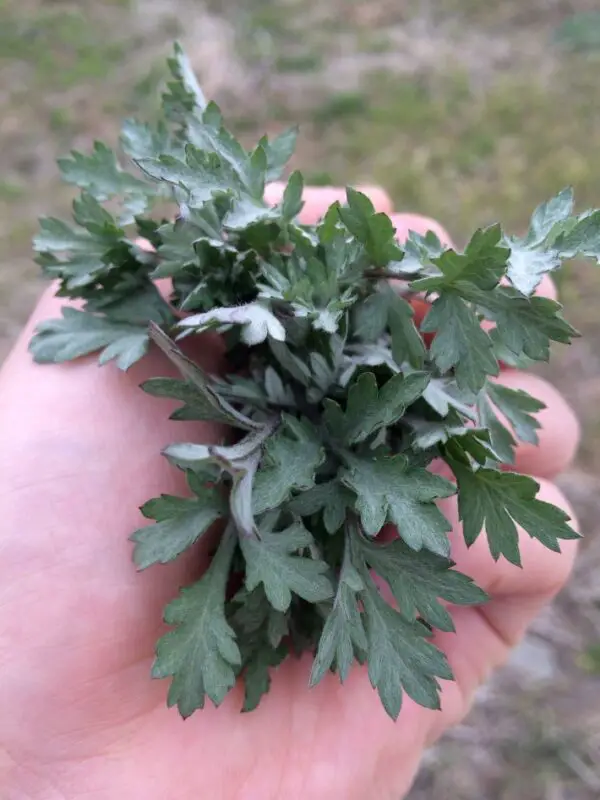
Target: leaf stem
column 384, row 274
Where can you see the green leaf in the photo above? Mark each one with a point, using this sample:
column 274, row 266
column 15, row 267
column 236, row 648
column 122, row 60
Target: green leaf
column 260, row 630
column 247, row 211
column 483, row 264
column 292, row 197
column 374, row 230
column 460, row 342
column 56, row 235
column 179, row 523
column 196, row 406
column 99, row 173
column 525, row 325
column 343, row 634
column 518, row 407
column 386, row 309
column 81, row 256
column 417, row 580
column 278, row 393
column 470, row 444
column 443, row 395
column 390, row 490
column 539, row 252
column 290, row 362
column 207, row 393
column 80, row 333
column 332, row 498
column 200, row 177
column 499, row 501
column 582, row 238
column 184, row 95
column 528, row 266
column 209, row 135
column 368, row 408
column 253, row 615
column 257, row 678
column 272, row 560
column 547, row 216
column 279, row 151
column 290, row 460
column 501, row 438
column 140, row 140
column 429, row 433
column 400, row 659
column 370, row 318
column 242, row 390
column 200, row 654
column 407, row 344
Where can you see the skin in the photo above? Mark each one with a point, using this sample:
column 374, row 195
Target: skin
column 81, row 717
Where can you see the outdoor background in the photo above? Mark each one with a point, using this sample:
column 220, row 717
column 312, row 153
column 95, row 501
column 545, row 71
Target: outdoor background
column 469, row 111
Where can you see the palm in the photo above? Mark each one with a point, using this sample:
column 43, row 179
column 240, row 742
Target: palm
column 78, row 682
column 78, row 625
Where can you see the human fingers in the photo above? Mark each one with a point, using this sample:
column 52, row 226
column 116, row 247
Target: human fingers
column 85, row 443
column 317, row 199
column 559, row 433
column 406, row 223
column 517, row 595
column 484, row 636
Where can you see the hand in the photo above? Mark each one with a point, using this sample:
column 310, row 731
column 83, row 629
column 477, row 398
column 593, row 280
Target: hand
column 80, row 715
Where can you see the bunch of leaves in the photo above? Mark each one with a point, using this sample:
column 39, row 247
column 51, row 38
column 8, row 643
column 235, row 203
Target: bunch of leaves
column 337, row 402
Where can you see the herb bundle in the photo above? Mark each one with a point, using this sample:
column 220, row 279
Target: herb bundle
column 337, row 401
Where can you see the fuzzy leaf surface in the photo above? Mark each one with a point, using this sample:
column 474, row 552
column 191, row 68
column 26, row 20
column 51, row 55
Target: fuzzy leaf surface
column 460, row 342
column 400, row 659
column 417, row 580
column 343, row 634
column 290, row 460
column 179, row 523
column 260, row 630
column 498, row 502
column 390, row 490
column 518, row 407
column 483, row 264
column 272, row 560
column 200, row 654
column 369, row 408
column 331, row 497
column 385, row 309
column 80, row 333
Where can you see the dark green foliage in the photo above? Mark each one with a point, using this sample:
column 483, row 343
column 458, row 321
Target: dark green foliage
column 337, row 398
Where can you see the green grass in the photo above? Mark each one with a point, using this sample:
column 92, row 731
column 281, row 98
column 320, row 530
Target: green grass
column 589, row 660
column 10, row 191
column 446, row 150
column 61, row 47
column 301, row 62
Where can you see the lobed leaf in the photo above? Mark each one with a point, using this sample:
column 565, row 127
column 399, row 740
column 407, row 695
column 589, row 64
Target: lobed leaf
column 391, row 490
column 179, row 523
column 272, row 560
column 200, row 654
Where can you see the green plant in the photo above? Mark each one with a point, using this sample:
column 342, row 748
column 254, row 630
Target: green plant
column 340, row 395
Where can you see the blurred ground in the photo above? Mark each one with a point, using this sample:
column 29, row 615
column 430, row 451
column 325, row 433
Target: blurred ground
column 467, row 111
